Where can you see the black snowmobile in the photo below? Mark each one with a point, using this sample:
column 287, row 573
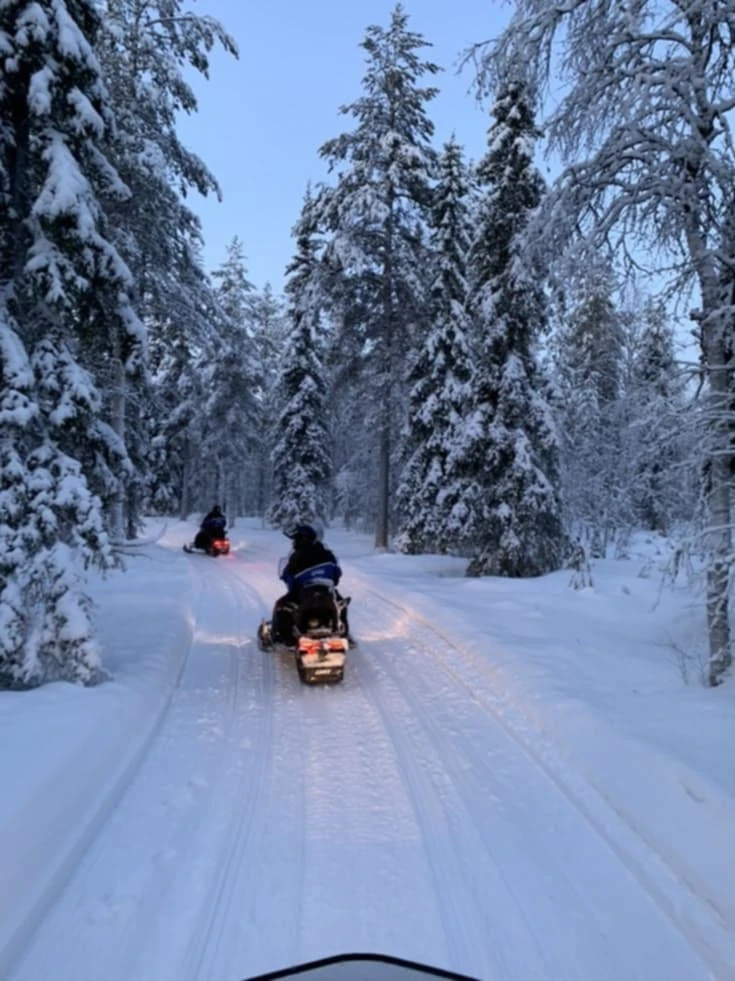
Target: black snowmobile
column 214, row 547
column 319, row 639
column 211, row 538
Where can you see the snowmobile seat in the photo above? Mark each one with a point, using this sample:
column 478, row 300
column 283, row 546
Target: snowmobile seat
column 318, row 610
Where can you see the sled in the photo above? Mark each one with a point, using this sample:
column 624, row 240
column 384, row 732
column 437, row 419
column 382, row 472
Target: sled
column 218, row 546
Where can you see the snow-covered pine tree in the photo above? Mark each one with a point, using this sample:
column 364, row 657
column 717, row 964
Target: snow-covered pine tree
column 63, row 288
column 181, row 344
column 588, row 346
column 176, row 442
column 302, row 453
column 233, row 413
column 513, row 445
column 147, row 49
column 351, row 311
column 437, row 495
column 644, row 132
column 660, row 437
column 269, row 326
column 375, row 213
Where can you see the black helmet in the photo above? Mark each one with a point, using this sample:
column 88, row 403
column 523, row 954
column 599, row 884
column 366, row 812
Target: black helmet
column 217, row 511
column 302, row 535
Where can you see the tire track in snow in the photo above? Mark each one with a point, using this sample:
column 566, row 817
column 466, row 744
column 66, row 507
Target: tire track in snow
column 713, row 942
column 335, row 810
column 93, row 820
column 511, row 939
column 147, row 880
column 205, row 948
column 458, row 869
column 244, row 882
column 369, row 882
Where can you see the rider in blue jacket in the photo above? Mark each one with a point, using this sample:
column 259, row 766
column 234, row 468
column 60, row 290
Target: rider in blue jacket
column 309, row 559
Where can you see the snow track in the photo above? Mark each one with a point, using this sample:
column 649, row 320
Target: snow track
column 435, row 671
column 164, row 857
column 399, row 812
column 52, row 829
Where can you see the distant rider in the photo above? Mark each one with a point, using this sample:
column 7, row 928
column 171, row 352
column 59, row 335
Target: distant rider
column 213, row 526
column 308, row 553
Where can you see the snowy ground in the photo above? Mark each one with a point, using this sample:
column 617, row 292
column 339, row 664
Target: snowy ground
column 513, row 781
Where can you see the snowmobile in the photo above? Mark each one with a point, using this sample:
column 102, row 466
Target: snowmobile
column 319, row 641
column 214, row 546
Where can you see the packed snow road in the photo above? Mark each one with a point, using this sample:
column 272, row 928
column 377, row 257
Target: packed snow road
column 271, row 823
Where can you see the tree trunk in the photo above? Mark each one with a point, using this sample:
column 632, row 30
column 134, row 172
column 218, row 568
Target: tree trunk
column 117, row 421
column 716, row 328
column 719, row 535
column 716, row 324
column 131, row 511
column 185, row 479
column 382, row 527
column 382, row 530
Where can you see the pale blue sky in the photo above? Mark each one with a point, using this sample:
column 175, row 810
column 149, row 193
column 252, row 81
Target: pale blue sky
column 263, row 118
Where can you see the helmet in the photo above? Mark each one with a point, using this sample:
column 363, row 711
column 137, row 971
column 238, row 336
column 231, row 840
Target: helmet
column 302, row 535
column 217, row 511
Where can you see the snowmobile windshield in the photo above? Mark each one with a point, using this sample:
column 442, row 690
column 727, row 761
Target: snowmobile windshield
column 362, row 967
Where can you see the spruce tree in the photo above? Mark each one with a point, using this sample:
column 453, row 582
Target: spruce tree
column 588, row 351
column 437, row 493
column 269, row 326
column 301, row 454
column 662, row 493
column 147, row 50
column 232, row 413
column 514, row 448
column 64, row 292
column 375, row 214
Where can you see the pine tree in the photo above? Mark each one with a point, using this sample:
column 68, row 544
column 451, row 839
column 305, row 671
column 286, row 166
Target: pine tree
column 233, row 416
column 182, row 343
column 375, row 214
column 63, row 289
column 588, row 353
column 436, row 492
column 661, row 493
column 301, row 455
column 269, row 327
column 514, row 451
column 146, row 49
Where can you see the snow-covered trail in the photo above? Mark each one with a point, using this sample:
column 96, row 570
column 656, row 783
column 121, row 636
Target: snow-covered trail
column 272, row 823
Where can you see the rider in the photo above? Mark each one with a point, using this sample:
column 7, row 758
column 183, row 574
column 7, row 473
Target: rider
column 213, row 526
column 308, row 553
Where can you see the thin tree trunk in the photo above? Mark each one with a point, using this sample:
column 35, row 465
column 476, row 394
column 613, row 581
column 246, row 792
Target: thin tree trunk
column 185, row 479
column 382, row 530
column 117, row 420
column 719, row 536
